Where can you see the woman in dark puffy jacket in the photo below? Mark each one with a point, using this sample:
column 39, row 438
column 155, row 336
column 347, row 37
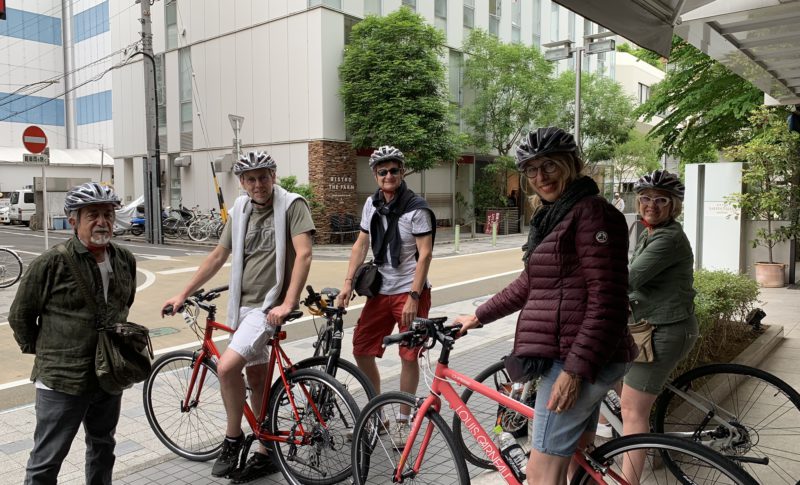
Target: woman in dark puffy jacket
column 573, row 300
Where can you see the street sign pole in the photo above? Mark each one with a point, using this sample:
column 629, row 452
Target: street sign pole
column 35, row 141
column 45, row 211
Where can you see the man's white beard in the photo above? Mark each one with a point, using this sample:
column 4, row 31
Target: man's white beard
column 100, row 239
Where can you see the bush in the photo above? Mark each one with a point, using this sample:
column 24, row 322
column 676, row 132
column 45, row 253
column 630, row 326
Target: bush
column 721, row 306
column 290, row 184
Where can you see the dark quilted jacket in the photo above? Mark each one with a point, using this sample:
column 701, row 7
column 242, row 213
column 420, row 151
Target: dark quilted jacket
column 573, row 293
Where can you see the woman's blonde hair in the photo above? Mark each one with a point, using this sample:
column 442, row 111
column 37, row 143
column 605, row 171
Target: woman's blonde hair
column 570, row 166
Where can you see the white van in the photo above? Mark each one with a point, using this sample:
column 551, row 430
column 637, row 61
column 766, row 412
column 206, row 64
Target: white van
column 22, row 206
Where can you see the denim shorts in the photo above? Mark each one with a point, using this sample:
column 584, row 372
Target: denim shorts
column 558, row 434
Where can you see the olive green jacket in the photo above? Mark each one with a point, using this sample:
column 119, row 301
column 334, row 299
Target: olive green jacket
column 661, row 276
column 50, row 317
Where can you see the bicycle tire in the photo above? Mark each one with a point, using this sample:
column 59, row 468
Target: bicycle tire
column 355, row 382
column 169, row 227
column 749, row 392
column 10, row 268
column 318, row 458
column 375, row 454
column 701, row 464
column 137, row 230
column 197, row 434
column 487, row 412
column 198, row 231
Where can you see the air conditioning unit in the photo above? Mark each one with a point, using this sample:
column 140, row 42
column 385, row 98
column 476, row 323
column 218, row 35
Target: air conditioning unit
column 184, row 161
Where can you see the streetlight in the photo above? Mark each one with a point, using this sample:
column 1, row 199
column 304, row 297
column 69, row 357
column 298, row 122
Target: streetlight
column 564, row 49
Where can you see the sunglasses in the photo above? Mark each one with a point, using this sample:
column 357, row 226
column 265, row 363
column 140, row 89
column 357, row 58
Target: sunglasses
column 385, row 171
column 547, row 167
column 658, row 201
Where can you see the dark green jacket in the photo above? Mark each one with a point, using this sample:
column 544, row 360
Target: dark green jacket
column 661, row 276
column 50, row 317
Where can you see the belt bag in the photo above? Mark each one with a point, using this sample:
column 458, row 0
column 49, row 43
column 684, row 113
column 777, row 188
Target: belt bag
column 642, row 333
column 367, row 280
column 124, row 351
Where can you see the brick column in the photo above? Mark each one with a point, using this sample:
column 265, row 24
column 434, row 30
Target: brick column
column 332, row 174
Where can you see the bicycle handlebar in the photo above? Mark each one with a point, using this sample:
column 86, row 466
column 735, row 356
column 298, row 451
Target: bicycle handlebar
column 423, row 329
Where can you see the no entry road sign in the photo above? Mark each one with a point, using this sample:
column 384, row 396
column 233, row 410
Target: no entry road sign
column 34, row 139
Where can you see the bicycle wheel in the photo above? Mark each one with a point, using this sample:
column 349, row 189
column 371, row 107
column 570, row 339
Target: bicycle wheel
column 10, row 268
column 169, row 227
column 377, row 443
column 195, row 433
column 699, row 464
column 355, row 382
column 198, row 231
column 314, row 414
column 765, row 413
column 489, row 414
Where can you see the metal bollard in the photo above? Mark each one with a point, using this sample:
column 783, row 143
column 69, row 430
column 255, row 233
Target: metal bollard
column 494, row 234
column 458, row 236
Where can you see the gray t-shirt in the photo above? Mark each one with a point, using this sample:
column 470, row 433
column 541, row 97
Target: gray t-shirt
column 410, row 225
column 259, row 250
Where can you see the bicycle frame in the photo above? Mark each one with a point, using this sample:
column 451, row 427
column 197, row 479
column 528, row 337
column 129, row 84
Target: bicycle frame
column 441, row 387
column 277, row 359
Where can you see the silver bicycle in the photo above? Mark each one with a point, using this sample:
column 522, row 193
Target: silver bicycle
column 10, row 267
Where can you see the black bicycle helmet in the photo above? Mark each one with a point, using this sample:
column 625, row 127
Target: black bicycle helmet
column 90, row 193
column 386, row 153
column 254, row 161
column 544, row 141
column 661, row 180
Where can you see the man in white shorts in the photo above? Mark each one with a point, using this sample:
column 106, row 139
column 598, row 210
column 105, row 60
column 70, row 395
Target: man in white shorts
column 269, row 234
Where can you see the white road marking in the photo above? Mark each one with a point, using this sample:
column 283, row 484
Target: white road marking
column 149, row 279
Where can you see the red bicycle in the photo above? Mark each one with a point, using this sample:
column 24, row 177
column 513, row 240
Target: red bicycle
column 305, row 418
column 421, row 448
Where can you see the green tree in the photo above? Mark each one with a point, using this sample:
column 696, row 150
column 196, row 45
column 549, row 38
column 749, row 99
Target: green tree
column 606, row 113
column 393, row 89
column 645, row 55
column 289, row 183
column 705, row 104
column 634, row 157
column 771, row 154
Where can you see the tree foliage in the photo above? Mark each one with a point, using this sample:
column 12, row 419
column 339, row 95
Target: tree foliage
column 634, row 157
column 706, row 104
column 394, row 91
column 645, row 55
column 771, row 154
column 606, row 113
column 512, row 88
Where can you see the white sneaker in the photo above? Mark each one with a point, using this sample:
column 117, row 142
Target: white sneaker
column 604, row 430
column 400, row 434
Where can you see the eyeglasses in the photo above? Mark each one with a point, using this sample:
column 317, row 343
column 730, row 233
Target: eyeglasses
column 658, row 201
column 385, row 171
column 547, row 167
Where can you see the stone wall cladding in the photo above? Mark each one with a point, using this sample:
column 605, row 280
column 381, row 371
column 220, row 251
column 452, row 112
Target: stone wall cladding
column 332, row 174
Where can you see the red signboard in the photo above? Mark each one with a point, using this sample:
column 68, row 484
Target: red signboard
column 34, row 139
column 2, row 9
column 492, row 218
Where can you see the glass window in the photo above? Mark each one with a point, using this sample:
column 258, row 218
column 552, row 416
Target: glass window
column 21, row 24
column 349, row 23
column 516, row 13
column 185, row 88
column 469, row 14
column 554, row 11
column 454, row 74
column 537, row 23
column 330, row 3
column 161, row 93
column 372, row 7
column 644, row 93
column 571, row 26
column 171, row 23
column 440, row 13
column 174, row 182
column 412, row 4
column 587, row 27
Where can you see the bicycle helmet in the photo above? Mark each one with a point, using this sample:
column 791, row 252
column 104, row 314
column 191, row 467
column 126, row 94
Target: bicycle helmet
column 254, row 161
column 386, row 153
column 90, row 193
column 661, row 180
column 544, row 141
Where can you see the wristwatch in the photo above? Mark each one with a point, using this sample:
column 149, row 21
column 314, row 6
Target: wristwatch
column 414, row 295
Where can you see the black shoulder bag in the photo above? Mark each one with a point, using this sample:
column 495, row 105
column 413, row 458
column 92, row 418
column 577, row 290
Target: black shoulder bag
column 124, row 351
column 367, row 279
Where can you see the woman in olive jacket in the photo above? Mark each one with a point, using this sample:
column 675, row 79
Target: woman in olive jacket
column 573, row 300
column 660, row 291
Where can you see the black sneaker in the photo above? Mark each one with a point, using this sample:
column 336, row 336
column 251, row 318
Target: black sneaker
column 259, row 465
column 228, row 459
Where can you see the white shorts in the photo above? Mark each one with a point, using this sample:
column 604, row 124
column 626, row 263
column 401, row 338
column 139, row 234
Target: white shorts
column 251, row 338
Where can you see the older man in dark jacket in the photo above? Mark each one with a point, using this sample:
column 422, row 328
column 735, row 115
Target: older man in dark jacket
column 50, row 318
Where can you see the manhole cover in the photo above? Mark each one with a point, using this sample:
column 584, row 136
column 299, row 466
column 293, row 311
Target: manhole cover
column 158, row 332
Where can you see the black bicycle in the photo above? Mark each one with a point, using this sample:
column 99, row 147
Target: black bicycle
column 328, row 347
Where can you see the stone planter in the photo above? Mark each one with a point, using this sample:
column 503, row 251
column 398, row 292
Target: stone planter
column 770, row 275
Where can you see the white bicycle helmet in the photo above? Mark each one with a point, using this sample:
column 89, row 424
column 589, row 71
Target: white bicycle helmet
column 90, row 193
column 386, row 153
column 660, row 180
column 254, row 161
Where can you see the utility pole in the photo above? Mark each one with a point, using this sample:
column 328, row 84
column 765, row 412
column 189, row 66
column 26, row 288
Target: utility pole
column 152, row 162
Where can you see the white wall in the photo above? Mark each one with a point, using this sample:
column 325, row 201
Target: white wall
column 17, row 176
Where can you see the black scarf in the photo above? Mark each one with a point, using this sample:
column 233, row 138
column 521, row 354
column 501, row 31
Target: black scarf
column 551, row 213
column 405, row 200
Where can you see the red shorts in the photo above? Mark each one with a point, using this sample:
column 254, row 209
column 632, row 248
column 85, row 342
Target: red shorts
column 378, row 318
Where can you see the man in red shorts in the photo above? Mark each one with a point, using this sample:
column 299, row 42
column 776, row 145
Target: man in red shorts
column 400, row 228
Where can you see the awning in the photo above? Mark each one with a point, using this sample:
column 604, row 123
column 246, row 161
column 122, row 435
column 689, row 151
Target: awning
column 757, row 39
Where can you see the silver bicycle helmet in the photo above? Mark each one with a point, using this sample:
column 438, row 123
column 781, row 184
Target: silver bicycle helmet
column 386, row 153
column 90, row 193
column 660, row 180
column 544, row 141
column 254, row 161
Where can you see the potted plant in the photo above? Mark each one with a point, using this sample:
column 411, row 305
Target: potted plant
column 771, row 156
